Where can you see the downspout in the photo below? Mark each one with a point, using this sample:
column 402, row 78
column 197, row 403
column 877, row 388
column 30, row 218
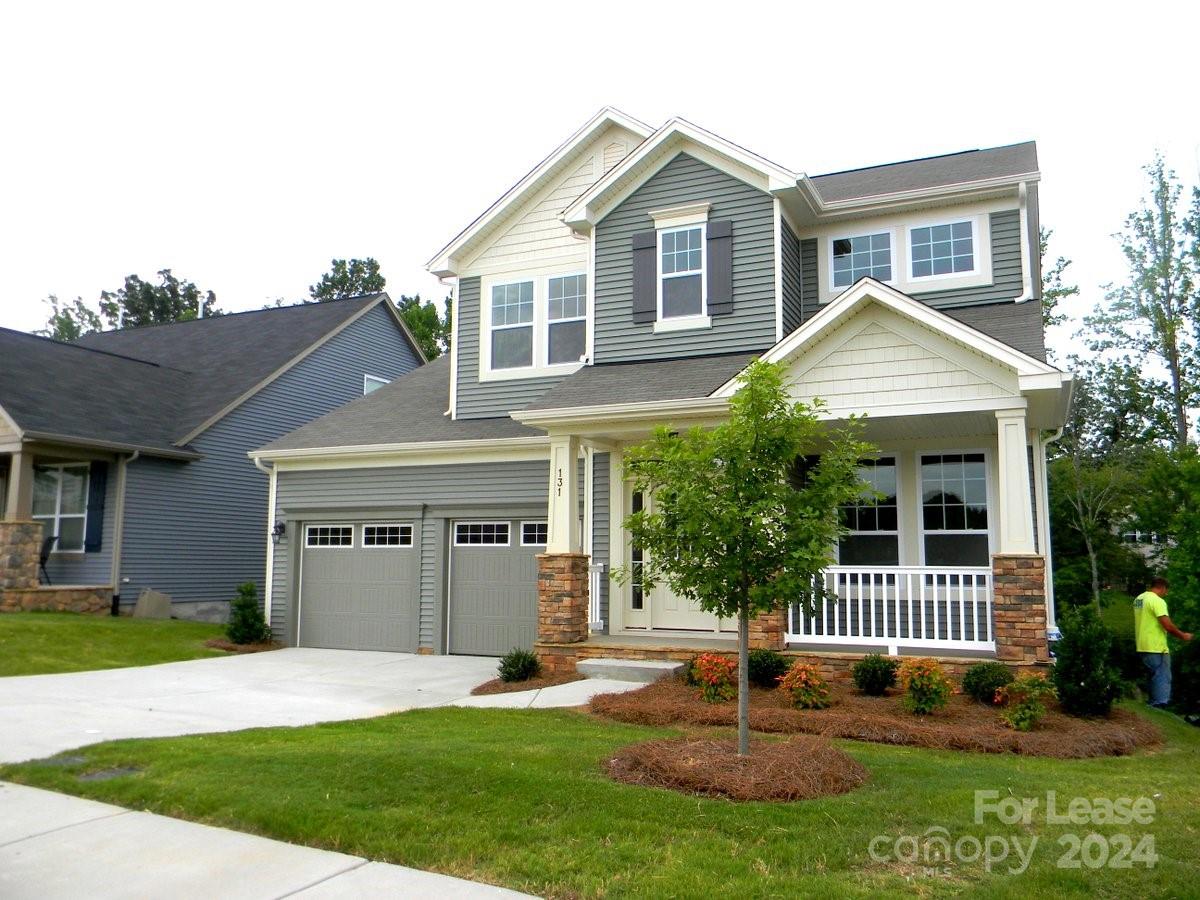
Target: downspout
column 118, row 537
column 269, row 578
column 1044, row 528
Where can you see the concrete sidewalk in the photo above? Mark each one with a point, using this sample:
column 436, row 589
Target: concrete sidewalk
column 56, row 846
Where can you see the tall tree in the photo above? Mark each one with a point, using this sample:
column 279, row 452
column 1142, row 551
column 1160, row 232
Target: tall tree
column 429, row 325
column 1152, row 319
column 348, row 278
column 727, row 528
column 139, row 302
column 70, row 321
column 1054, row 284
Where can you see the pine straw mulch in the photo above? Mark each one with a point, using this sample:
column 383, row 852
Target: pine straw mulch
column 230, row 647
column 496, row 686
column 799, row 768
column 963, row 724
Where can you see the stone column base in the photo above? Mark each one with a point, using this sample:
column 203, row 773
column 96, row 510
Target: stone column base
column 767, row 630
column 562, row 598
column 1019, row 609
column 20, row 547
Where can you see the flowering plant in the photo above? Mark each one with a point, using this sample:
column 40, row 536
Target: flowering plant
column 714, row 674
column 805, row 687
column 1024, row 701
column 926, row 687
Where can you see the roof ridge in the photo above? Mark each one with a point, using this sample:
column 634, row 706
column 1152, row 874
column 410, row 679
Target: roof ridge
column 916, row 159
column 74, row 346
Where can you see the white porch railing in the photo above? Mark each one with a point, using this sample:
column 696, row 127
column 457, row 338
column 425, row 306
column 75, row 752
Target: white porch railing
column 595, row 580
column 900, row 606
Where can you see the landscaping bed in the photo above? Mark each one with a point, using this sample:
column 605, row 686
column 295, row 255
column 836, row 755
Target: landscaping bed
column 964, row 724
column 497, row 686
column 222, row 643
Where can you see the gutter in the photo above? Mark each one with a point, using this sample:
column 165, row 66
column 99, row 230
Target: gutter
column 623, row 412
column 111, row 445
column 398, row 449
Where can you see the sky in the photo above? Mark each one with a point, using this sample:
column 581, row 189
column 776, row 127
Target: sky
column 244, row 145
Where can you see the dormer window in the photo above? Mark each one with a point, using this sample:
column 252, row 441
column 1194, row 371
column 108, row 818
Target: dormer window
column 942, row 250
column 860, row 256
column 512, row 325
column 681, row 272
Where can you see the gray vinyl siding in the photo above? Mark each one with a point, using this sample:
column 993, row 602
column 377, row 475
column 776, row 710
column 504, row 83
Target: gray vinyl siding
column 600, row 528
column 789, row 258
column 485, row 399
column 492, row 490
column 751, row 325
column 1006, row 268
column 196, row 530
column 90, row 568
column 810, row 278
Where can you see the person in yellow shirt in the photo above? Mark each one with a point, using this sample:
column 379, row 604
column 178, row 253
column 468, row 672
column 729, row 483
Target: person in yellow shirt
column 1151, row 625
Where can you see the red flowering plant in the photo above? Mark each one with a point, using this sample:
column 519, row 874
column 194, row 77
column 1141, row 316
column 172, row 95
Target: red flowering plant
column 926, row 687
column 805, row 687
column 714, row 674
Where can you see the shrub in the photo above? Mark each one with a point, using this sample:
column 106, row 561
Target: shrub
column 1086, row 681
column 766, row 668
column 926, row 687
column 714, row 674
column 1023, row 700
column 984, row 679
column 246, row 623
column 805, row 687
column 519, row 665
column 874, row 674
column 1185, row 687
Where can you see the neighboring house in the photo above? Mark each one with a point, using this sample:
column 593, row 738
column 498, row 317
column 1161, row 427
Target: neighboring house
column 131, row 445
column 624, row 283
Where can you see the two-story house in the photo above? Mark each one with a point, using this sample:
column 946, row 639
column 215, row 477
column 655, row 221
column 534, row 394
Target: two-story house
column 624, row 283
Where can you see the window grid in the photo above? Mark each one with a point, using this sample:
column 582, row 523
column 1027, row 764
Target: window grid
column 954, row 492
column 681, row 252
column 865, row 255
column 942, row 249
column 566, row 314
column 468, row 534
column 512, row 304
column 568, row 297
column 534, row 534
column 329, row 536
column 387, row 536
column 872, row 514
column 60, row 503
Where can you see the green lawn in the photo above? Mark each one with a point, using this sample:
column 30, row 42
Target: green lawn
column 516, row 797
column 39, row 643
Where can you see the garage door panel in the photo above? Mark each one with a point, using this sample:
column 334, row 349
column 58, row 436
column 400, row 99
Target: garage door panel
column 493, row 598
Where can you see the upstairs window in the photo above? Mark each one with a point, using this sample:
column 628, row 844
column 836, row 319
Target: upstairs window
column 938, row 250
column 60, row 495
column 373, row 383
column 864, row 255
column 566, row 336
column 512, row 325
column 681, row 272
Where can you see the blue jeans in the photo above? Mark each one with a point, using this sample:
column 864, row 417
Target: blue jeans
column 1158, row 665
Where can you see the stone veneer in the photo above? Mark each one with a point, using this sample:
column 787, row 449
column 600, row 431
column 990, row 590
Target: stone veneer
column 20, row 546
column 74, row 598
column 1019, row 609
column 562, row 599
column 768, row 630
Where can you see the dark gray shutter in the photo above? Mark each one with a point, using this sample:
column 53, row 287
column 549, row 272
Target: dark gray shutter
column 97, row 488
column 645, row 276
column 720, row 267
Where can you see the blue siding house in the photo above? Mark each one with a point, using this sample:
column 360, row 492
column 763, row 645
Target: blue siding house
column 131, row 445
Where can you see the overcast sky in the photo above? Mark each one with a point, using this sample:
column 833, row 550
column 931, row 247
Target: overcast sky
column 244, row 145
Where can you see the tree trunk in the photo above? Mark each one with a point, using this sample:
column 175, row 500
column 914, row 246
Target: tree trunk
column 1095, row 562
column 743, row 681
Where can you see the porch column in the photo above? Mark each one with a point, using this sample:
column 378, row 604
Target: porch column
column 1015, row 502
column 18, row 506
column 563, row 568
column 563, row 510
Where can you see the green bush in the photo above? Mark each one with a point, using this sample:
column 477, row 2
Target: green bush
column 805, row 687
column 926, row 687
column 1086, row 680
column 1024, row 701
column 519, row 665
column 1185, row 678
column 984, row 679
column 246, row 623
column 874, row 674
column 689, row 675
column 766, row 668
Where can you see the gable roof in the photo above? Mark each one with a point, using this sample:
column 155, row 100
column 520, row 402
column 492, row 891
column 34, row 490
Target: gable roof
column 409, row 410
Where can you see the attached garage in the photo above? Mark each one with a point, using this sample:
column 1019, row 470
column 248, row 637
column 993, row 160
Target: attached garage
column 493, row 585
column 359, row 586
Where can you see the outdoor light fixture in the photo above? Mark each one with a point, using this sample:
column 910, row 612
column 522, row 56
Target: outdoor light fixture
column 278, row 531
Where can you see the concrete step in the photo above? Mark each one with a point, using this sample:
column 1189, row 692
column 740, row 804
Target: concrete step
column 643, row 670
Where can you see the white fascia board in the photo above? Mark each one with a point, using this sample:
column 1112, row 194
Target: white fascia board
column 950, row 192
column 444, row 265
column 622, row 412
column 449, row 449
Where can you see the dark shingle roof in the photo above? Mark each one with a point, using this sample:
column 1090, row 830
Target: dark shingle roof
column 229, row 354
column 633, row 382
column 1017, row 324
column 934, row 171
column 54, row 389
column 410, row 409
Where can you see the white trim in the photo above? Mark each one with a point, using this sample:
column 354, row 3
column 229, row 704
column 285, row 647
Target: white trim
column 848, row 235
column 823, row 208
column 58, row 515
column 500, row 449
column 1028, row 289
column 977, row 263
column 493, row 522
column 679, row 216
column 525, row 543
column 401, row 525
column 616, row 412
column 777, row 242
column 269, row 578
column 660, row 276
column 682, row 323
column 989, row 487
column 309, row 526
column 380, row 382
column 540, row 325
column 455, row 315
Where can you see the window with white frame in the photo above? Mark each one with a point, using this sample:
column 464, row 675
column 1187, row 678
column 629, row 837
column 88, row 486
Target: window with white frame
column 329, row 536
column 373, row 383
column 534, row 534
column 681, row 272
column 954, row 509
column 566, row 319
column 944, row 249
column 873, row 519
column 481, row 534
column 387, row 536
column 512, row 325
column 864, row 255
column 60, row 495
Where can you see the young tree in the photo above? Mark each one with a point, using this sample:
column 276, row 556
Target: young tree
column 429, row 326
column 1153, row 317
column 728, row 529
column 70, row 321
column 348, row 278
column 140, row 303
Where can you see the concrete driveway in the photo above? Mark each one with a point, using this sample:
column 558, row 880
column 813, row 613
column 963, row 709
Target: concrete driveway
column 46, row 714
